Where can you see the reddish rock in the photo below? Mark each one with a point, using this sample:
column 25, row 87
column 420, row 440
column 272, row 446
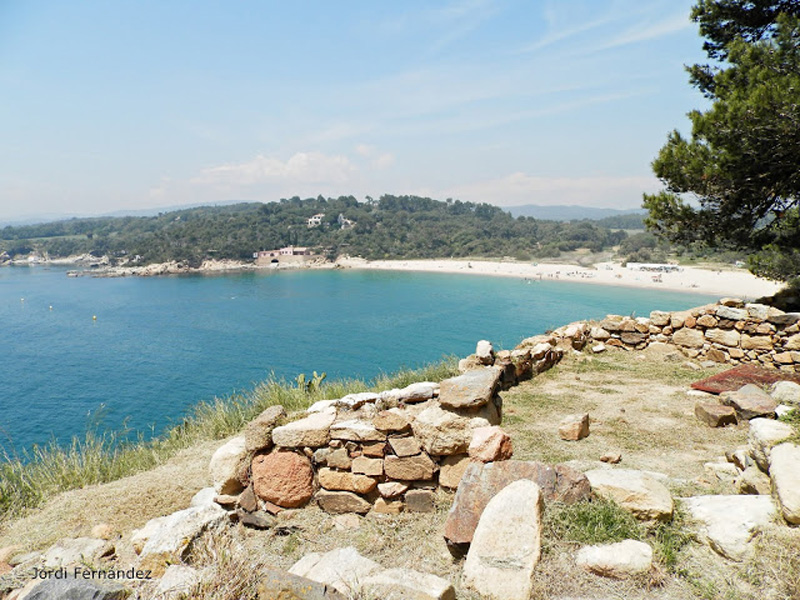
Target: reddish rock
column 489, row 444
column 715, row 415
column 374, row 449
column 409, row 468
column 733, row 379
column 481, row 481
column 283, row 478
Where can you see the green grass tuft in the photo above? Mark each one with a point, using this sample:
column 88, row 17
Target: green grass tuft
column 594, row 521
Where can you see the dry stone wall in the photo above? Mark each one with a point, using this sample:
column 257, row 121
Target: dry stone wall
column 383, row 452
column 729, row 331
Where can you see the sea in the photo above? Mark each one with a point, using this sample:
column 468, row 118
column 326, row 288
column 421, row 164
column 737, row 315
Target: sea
column 136, row 354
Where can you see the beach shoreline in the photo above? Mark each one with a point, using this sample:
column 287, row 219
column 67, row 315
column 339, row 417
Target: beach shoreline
column 738, row 283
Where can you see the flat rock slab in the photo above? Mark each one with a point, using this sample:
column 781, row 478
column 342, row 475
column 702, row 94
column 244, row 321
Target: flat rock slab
column 406, row 584
column 507, row 544
column 76, row 589
column 737, row 377
column 482, row 481
column 635, row 491
column 343, row 569
column 470, row 390
column 728, row 523
column 619, row 561
column 784, row 468
column 279, row 585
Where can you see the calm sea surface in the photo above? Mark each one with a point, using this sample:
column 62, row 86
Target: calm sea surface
column 161, row 344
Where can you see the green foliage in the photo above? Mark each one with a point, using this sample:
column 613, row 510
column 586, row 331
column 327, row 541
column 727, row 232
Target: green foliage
column 392, row 227
column 28, row 480
column 594, row 521
column 741, row 159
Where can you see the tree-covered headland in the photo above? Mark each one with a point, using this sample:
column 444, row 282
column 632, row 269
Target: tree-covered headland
column 389, row 227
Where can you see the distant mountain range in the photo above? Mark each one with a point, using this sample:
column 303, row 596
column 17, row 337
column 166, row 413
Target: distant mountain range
column 562, row 212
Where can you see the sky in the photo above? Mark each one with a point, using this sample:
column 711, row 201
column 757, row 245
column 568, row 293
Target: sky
column 115, row 105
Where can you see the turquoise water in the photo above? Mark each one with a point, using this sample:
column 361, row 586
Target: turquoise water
column 161, row 344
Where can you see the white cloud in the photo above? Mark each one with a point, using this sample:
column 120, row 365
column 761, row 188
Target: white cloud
column 644, row 32
column 379, row 160
column 305, row 167
column 521, row 188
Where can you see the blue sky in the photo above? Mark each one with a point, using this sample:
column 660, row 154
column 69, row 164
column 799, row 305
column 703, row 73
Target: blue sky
column 117, row 105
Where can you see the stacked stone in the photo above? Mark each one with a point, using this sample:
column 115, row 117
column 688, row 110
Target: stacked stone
column 384, row 452
column 727, row 332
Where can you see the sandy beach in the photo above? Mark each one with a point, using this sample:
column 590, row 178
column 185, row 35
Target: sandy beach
column 738, row 283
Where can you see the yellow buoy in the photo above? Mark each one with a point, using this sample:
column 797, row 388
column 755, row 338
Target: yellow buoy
column 51, row 307
column 94, row 318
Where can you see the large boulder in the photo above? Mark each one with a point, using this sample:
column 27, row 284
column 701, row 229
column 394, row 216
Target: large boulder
column 784, row 468
column 472, row 389
column 343, row 569
column 635, row 491
column 312, row 431
column 762, row 436
column 283, row 478
column 750, row 401
column 226, row 465
column 507, row 544
column 619, row 561
column 407, row 584
column 728, row 523
column 482, row 481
